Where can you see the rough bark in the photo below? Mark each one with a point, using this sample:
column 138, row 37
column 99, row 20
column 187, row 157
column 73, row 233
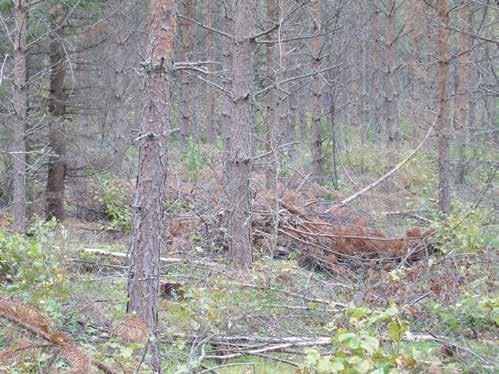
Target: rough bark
column 240, row 147
column 442, row 124
column 390, row 99
column 270, row 101
column 20, row 106
column 211, row 130
column 148, row 220
column 463, row 96
column 415, row 29
column 57, row 109
column 185, row 105
column 317, row 158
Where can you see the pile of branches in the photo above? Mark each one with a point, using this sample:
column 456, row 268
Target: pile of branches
column 335, row 235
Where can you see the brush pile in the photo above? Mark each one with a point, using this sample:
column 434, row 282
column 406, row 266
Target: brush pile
column 327, row 235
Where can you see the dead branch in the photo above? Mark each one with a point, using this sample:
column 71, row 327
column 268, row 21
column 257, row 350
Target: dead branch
column 384, row 177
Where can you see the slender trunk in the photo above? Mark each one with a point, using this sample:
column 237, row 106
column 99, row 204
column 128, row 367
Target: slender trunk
column 185, row 105
column 20, row 106
column 270, row 101
column 240, row 148
column 442, row 124
column 148, row 219
column 57, row 109
column 416, row 76
column 211, row 130
column 463, row 81
column 317, row 158
column 390, row 103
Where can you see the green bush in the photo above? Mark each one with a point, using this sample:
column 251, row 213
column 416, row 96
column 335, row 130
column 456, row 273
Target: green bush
column 370, row 343
column 115, row 200
column 32, row 265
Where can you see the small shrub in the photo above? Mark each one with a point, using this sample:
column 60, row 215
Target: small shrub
column 370, row 343
column 115, row 200
column 194, row 159
column 462, row 230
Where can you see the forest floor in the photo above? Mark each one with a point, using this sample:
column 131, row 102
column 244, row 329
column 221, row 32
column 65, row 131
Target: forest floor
column 378, row 287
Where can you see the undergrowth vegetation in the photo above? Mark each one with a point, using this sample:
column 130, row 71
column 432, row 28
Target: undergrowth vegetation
column 434, row 310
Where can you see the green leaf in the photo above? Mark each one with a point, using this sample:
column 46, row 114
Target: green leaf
column 370, row 344
column 364, row 366
column 394, row 331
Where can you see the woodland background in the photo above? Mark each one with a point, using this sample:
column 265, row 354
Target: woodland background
column 248, row 186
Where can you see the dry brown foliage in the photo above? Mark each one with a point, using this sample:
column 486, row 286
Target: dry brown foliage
column 30, row 319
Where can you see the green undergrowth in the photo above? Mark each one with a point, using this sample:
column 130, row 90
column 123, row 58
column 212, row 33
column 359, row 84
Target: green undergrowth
column 277, row 298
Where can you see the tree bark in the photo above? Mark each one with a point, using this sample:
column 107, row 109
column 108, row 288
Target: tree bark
column 270, row 101
column 317, row 158
column 57, row 109
column 390, row 102
column 442, row 124
column 463, row 96
column 148, row 219
column 20, row 106
column 240, row 147
column 211, row 130
column 185, row 105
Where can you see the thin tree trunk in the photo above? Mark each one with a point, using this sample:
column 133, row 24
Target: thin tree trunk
column 317, row 158
column 57, row 108
column 463, row 80
column 20, row 106
column 211, row 130
column 185, row 105
column 416, row 76
column 240, row 148
column 390, row 103
column 270, row 101
column 442, row 124
column 148, row 221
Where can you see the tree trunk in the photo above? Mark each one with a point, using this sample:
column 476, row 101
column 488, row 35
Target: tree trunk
column 390, row 103
column 57, row 108
column 442, row 124
column 20, row 106
column 240, row 147
column 147, row 226
column 317, row 158
column 463, row 96
column 185, row 105
column 270, row 102
column 211, row 130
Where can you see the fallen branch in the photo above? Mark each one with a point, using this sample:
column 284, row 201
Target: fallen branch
column 27, row 317
column 384, row 177
column 164, row 260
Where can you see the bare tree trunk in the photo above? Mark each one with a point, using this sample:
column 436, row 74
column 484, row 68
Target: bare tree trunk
column 240, row 147
column 148, row 223
column 415, row 31
column 185, row 104
column 270, row 101
column 57, row 107
column 442, row 124
column 20, row 106
column 211, row 130
column 227, row 102
column 463, row 96
column 317, row 158
column 390, row 103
